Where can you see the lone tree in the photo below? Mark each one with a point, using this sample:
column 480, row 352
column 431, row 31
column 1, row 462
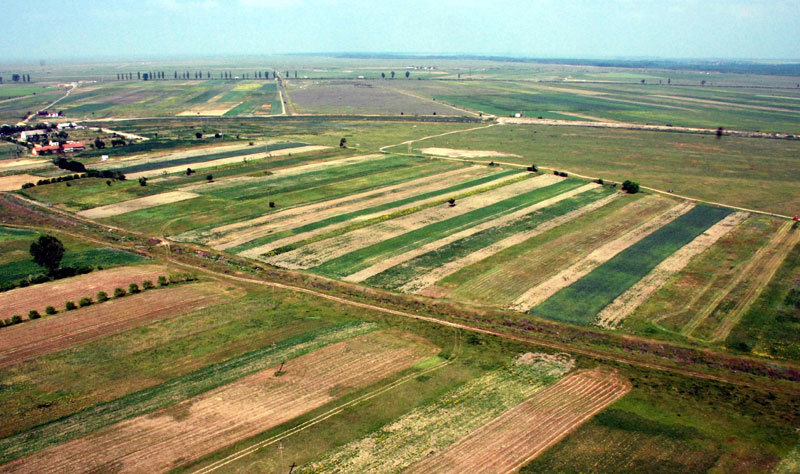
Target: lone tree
column 407, row 74
column 48, row 252
column 392, row 74
column 630, row 187
column 343, row 143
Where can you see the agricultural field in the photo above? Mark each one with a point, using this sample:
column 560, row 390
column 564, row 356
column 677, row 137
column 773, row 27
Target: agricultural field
column 389, row 278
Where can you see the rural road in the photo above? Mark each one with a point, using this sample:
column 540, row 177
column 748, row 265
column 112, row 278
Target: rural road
column 73, row 87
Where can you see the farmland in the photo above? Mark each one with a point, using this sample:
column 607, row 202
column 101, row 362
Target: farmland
column 396, row 276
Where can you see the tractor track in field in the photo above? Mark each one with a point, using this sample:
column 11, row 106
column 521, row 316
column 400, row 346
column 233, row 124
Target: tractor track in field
column 528, row 339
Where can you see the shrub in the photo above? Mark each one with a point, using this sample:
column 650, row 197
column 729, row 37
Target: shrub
column 119, row 293
column 71, row 305
column 271, row 204
column 209, row 178
column 50, row 310
column 16, row 319
column 28, row 185
column 162, row 280
column 83, row 270
column 133, row 288
column 33, row 314
column 102, row 296
column 147, row 285
column 599, row 181
column 563, row 174
column 532, row 168
column 40, row 278
column 142, row 181
column 555, row 172
column 85, row 301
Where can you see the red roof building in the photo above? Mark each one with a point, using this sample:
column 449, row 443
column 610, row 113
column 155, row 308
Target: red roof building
column 46, row 150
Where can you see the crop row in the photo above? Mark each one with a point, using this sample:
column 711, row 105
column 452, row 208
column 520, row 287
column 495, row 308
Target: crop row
column 397, row 276
column 364, row 257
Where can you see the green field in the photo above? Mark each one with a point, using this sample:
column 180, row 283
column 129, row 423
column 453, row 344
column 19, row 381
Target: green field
column 579, row 302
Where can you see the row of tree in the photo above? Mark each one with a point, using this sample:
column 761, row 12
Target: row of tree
column 18, row 78
column 149, row 76
column 383, row 75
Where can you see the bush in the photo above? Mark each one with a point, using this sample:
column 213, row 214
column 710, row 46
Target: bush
column 71, row 305
column 102, row 296
column 119, row 293
column 133, row 288
column 50, row 310
column 33, row 314
column 85, row 301
column 162, row 280
column 599, row 181
column 209, row 178
column 28, row 185
column 40, row 278
column 142, row 181
column 555, row 172
column 16, row 319
column 630, row 187
column 148, row 285
column 563, row 174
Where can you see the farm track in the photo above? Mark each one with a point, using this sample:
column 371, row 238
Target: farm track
column 632, row 298
column 423, row 284
column 203, row 424
column 391, row 262
column 43, row 336
column 316, row 253
column 246, row 231
column 519, row 435
column 597, row 257
column 763, row 270
column 57, row 293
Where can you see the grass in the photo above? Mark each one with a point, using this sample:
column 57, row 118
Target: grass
column 772, row 324
column 101, row 257
column 179, row 388
column 581, row 301
column 397, row 276
column 364, row 257
column 699, row 166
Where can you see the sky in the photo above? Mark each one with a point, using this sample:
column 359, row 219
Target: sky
column 34, row 30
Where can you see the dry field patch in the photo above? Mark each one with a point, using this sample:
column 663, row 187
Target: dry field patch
column 136, row 204
column 319, row 252
column 519, row 435
column 15, row 181
column 627, row 302
column 190, row 429
column 21, row 163
column 43, row 336
column 214, row 109
column 454, row 153
column 597, row 257
column 57, row 293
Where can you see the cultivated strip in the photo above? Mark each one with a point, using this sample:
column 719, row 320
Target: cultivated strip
column 404, row 257
column 226, row 161
column 136, row 204
column 627, row 302
column 519, row 435
column 298, row 216
column 566, row 277
column 317, row 253
column 421, row 283
column 201, row 425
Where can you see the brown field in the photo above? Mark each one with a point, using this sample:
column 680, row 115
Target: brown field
column 318, row 252
column 57, row 293
column 597, row 257
column 198, row 426
column 453, row 153
column 298, row 216
column 23, row 163
column 425, row 284
column 136, row 204
column 519, row 435
column 628, row 301
column 15, row 181
column 210, row 108
column 49, row 334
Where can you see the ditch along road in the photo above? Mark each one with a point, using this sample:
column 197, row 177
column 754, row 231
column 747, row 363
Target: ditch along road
column 164, row 252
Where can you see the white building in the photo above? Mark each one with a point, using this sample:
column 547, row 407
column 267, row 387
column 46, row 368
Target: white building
column 31, row 133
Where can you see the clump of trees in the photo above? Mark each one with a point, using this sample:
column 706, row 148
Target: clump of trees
column 47, row 252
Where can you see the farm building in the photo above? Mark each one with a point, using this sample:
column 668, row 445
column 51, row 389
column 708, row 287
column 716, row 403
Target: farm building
column 45, row 150
column 31, row 133
column 69, row 147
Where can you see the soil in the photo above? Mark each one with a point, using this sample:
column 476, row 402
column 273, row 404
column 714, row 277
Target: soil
column 453, row 153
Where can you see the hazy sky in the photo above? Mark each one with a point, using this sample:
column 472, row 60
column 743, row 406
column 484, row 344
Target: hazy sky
column 50, row 29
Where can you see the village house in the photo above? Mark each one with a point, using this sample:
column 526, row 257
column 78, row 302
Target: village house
column 24, row 136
